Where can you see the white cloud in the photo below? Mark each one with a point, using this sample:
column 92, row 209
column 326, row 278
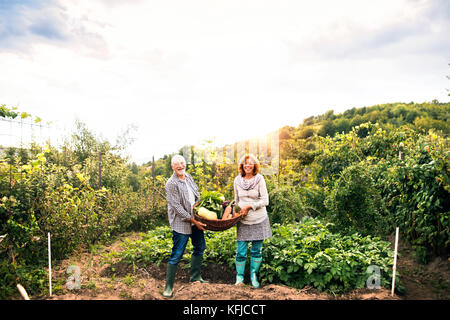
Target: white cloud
column 184, row 71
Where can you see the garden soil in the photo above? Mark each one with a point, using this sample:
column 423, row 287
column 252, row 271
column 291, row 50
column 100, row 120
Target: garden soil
column 101, row 281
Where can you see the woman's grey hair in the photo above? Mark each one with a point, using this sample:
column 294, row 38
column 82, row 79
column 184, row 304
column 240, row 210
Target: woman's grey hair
column 177, row 158
column 250, row 156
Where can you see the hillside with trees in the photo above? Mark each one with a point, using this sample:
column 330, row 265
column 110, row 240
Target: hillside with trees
column 361, row 173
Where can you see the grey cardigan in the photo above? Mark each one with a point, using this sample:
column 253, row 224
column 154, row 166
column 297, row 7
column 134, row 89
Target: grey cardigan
column 257, row 198
column 178, row 206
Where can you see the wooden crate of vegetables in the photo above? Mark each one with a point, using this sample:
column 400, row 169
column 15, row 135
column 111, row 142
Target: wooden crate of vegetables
column 217, row 213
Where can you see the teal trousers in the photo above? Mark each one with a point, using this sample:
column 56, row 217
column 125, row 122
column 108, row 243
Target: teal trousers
column 242, row 248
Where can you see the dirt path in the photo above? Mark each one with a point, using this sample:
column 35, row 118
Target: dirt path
column 122, row 282
column 423, row 282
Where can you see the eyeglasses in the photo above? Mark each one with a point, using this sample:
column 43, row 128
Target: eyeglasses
column 179, row 164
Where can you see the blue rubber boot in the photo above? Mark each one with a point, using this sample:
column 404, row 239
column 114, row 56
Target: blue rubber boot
column 240, row 269
column 255, row 263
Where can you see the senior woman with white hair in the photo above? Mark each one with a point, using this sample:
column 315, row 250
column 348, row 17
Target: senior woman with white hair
column 251, row 195
column 182, row 195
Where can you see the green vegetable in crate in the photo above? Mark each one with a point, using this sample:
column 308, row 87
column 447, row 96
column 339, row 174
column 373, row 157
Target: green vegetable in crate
column 212, row 200
column 207, row 214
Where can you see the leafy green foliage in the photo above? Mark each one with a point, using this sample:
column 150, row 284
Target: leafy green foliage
column 57, row 191
column 291, row 200
column 284, row 203
column 212, row 200
column 416, row 194
column 309, row 254
column 7, row 112
column 372, row 190
column 432, row 115
column 300, row 254
column 354, row 202
column 342, row 168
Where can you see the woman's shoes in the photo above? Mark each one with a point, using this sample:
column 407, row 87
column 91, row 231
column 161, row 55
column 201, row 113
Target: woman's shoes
column 255, row 263
column 240, row 269
column 254, row 281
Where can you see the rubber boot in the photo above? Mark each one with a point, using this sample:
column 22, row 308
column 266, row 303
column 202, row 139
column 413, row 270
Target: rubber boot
column 255, row 263
column 196, row 265
column 240, row 269
column 170, row 278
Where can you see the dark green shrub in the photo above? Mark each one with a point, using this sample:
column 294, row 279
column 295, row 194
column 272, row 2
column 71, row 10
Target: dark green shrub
column 284, row 204
column 354, row 202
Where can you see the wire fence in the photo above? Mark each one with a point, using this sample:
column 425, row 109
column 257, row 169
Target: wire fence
column 22, row 133
column 265, row 148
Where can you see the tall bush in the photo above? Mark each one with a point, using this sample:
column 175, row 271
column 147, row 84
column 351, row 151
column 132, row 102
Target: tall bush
column 354, row 202
column 415, row 192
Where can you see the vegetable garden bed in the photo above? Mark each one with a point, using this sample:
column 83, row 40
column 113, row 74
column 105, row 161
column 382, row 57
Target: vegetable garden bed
column 298, row 255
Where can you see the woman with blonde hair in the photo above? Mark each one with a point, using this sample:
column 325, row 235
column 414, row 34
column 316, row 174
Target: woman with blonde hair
column 251, row 196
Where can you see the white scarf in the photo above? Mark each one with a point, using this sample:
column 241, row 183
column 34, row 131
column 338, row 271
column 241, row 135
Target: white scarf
column 248, row 184
column 258, row 215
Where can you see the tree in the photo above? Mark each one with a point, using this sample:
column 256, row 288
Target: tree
column 327, row 129
column 84, row 141
column 329, row 115
column 285, row 132
column 306, row 132
column 343, row 125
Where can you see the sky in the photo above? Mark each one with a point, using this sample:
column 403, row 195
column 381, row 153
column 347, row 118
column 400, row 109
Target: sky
column 176, row 72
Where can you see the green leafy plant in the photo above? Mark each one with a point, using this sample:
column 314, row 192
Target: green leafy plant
column 354, row 202
column 309, row 254
column 300, row 254
column 212, row 200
